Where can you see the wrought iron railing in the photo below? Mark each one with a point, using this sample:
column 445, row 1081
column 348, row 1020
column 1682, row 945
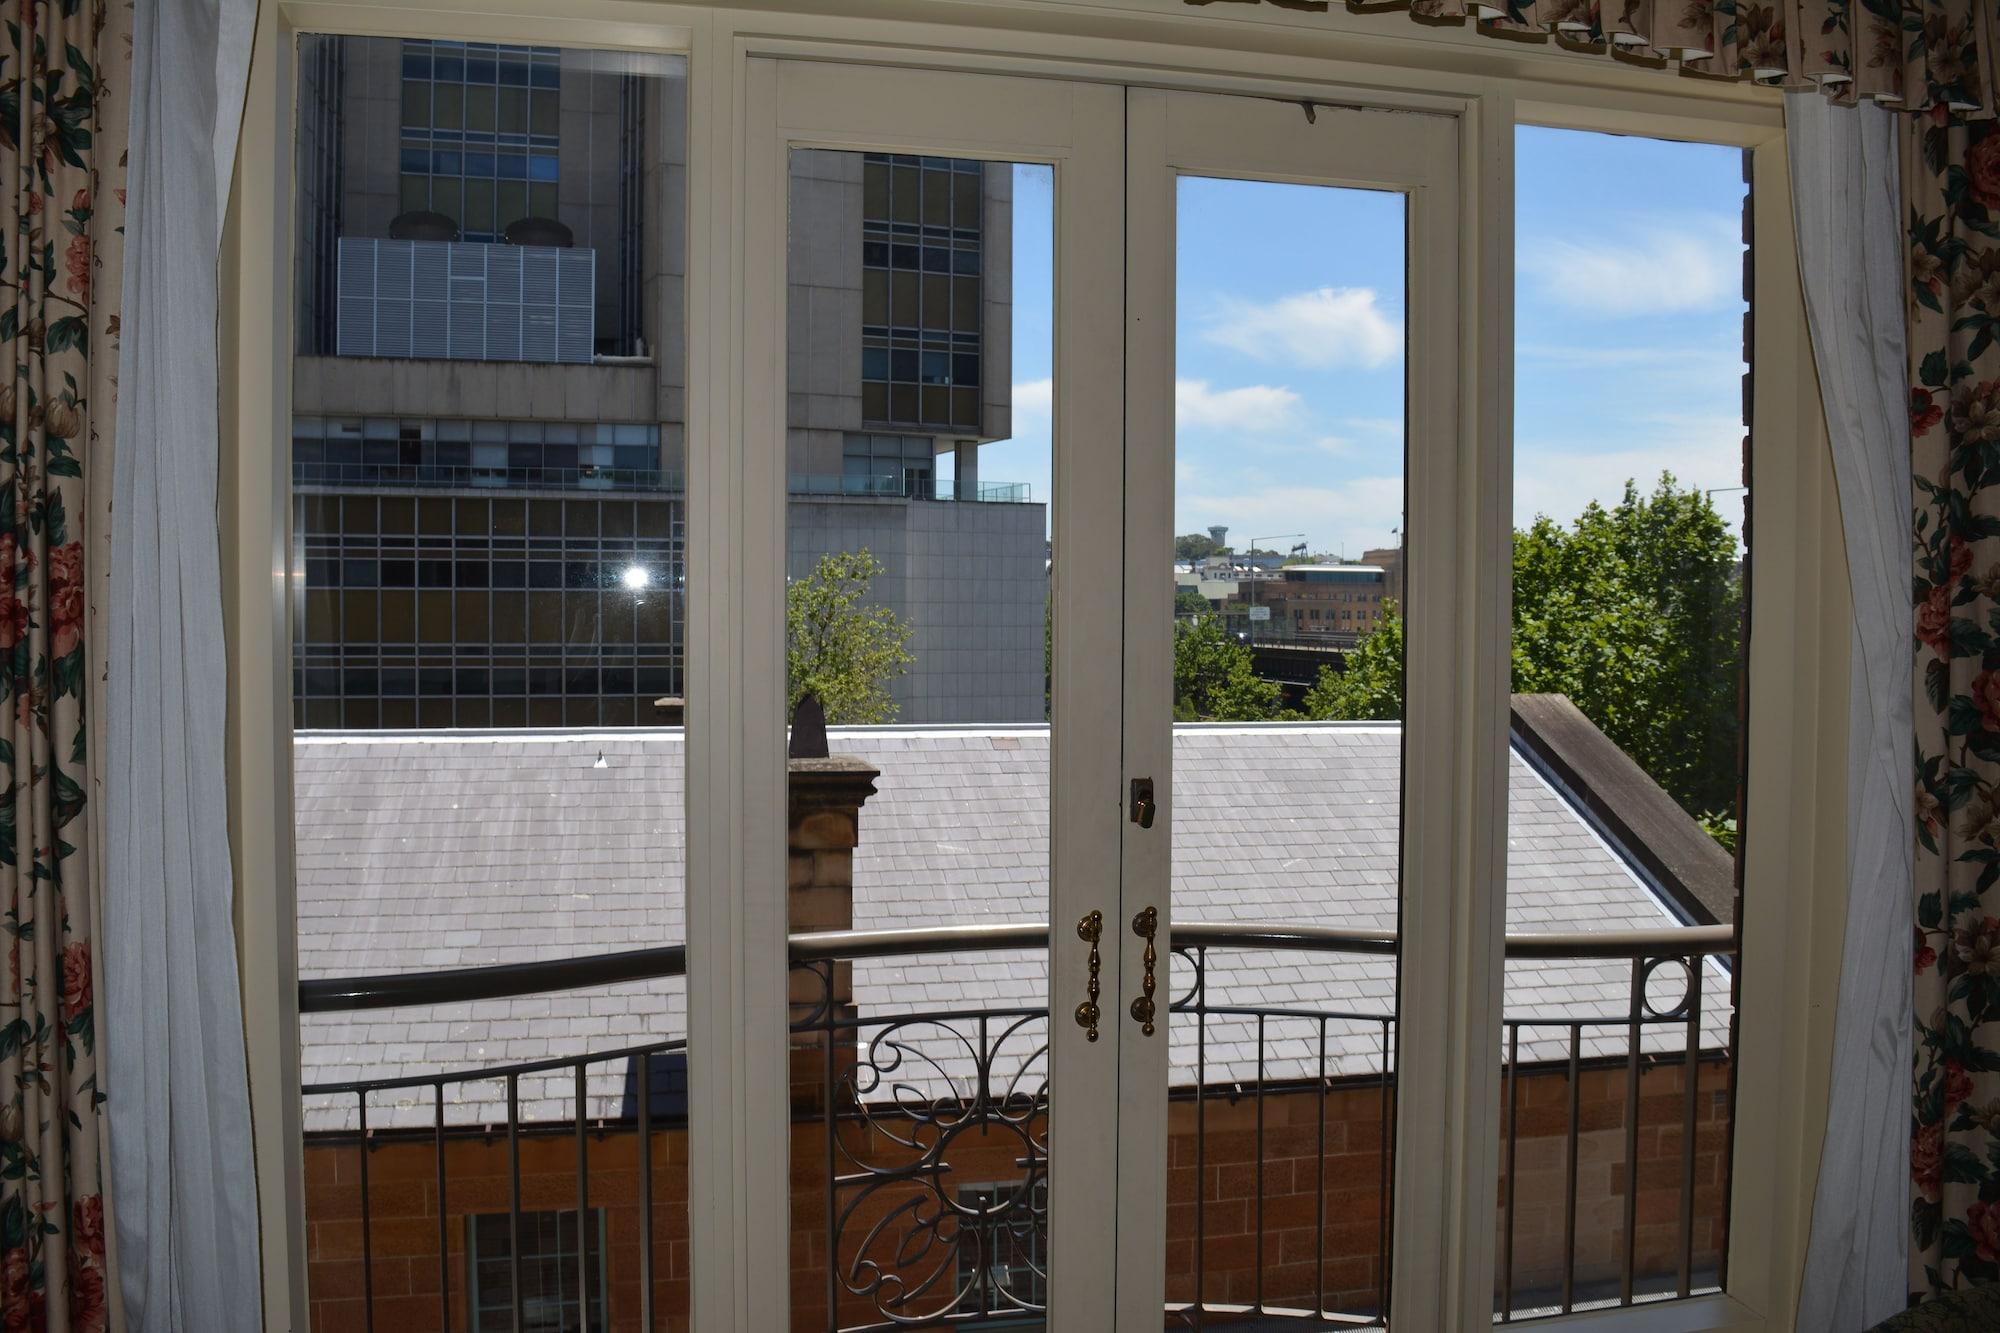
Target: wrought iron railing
column 929, row 1126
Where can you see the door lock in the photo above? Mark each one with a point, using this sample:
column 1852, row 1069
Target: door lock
column 1143, row 809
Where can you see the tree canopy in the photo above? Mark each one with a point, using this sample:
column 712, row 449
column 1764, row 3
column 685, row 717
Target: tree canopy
column 1215, row 679
column 1371, row 686
column 839, row 648
column 1634, row 612
column 1191, row 546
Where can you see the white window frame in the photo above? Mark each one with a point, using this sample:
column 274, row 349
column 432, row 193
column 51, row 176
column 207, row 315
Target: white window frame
column 1799, row 637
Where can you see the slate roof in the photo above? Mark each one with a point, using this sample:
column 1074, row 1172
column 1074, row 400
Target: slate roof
column 420, row 851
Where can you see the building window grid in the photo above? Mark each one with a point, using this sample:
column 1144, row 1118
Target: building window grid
column 873, row 463
column 1000, row 1242
column 480, row 134
column 350, row 672
column 922, row 228
column 550, row 1300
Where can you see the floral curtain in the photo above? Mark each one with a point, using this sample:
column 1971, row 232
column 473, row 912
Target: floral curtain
column 1939, row 53
column 63, row 66
column 1951, row 185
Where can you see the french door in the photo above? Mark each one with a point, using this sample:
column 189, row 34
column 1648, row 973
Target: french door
column 1289, row 269
column 1066, row 1055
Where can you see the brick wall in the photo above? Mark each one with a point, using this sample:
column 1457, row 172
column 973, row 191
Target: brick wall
column 403, row 1201
column 403, row 1212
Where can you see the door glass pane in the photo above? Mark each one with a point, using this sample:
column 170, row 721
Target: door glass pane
column 1629, row 587
column 1287, row 750
column 488, row 643
column 917, row 624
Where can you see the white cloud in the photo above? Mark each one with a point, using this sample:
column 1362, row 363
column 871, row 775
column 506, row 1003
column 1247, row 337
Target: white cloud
column 1250, row 407
column 1691, row 361
column 1349, row 517
column 1376, row 428
column 1329, row 326
column 1696, row 265
column 1559, row 478
column 1034, row 398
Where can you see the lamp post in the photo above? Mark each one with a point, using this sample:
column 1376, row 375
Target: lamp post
column 1276, row 536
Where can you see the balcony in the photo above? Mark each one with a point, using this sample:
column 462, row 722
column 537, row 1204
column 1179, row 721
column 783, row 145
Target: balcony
column 1614, row 1134
column 899, row 486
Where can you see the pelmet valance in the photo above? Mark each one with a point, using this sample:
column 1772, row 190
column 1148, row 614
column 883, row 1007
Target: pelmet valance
column 1918, row 58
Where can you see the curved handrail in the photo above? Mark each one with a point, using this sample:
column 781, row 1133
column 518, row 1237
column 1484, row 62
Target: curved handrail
column 507, row 980
column 501, row 981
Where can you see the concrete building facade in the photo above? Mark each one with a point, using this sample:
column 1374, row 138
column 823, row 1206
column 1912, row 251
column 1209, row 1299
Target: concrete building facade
column 487, row 536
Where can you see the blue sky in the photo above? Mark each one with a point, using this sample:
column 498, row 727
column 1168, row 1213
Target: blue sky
column 1290, row 328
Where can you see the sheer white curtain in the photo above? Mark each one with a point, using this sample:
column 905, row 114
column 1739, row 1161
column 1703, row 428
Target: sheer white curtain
column 1848, row 205
column 176, row 1084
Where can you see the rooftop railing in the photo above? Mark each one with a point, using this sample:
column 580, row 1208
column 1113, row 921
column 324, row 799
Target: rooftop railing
column 920, row 1152
column 898, row 486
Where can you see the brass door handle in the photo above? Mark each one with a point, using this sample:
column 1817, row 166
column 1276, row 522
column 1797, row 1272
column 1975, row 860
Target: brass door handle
column 1146, row 925
column 1090, row 930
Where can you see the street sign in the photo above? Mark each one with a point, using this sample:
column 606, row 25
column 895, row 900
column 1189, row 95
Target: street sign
column 1260, row 613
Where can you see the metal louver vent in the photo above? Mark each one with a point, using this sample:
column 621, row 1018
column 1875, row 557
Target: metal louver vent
column 466, row 301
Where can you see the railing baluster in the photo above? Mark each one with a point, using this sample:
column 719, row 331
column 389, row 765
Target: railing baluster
column 514, row 1196
column 1319, row 1183
column 367, row 1241
column 1386, row 1180
column 582, row 1200
column 1691, row 1078
column 646, row 1192
column 1513, row 1178
column 444, row 1246
column 1569, row 1176
column 826, row 972
column 1201, row 1140
column 1632, row 1041
column 1258, row 1159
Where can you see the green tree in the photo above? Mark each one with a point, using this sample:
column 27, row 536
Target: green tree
column 1196, row 546
column 1370, row 688
column 1634, row 613
column 839, row 648
column 1189, row 602
column 1214, row 678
